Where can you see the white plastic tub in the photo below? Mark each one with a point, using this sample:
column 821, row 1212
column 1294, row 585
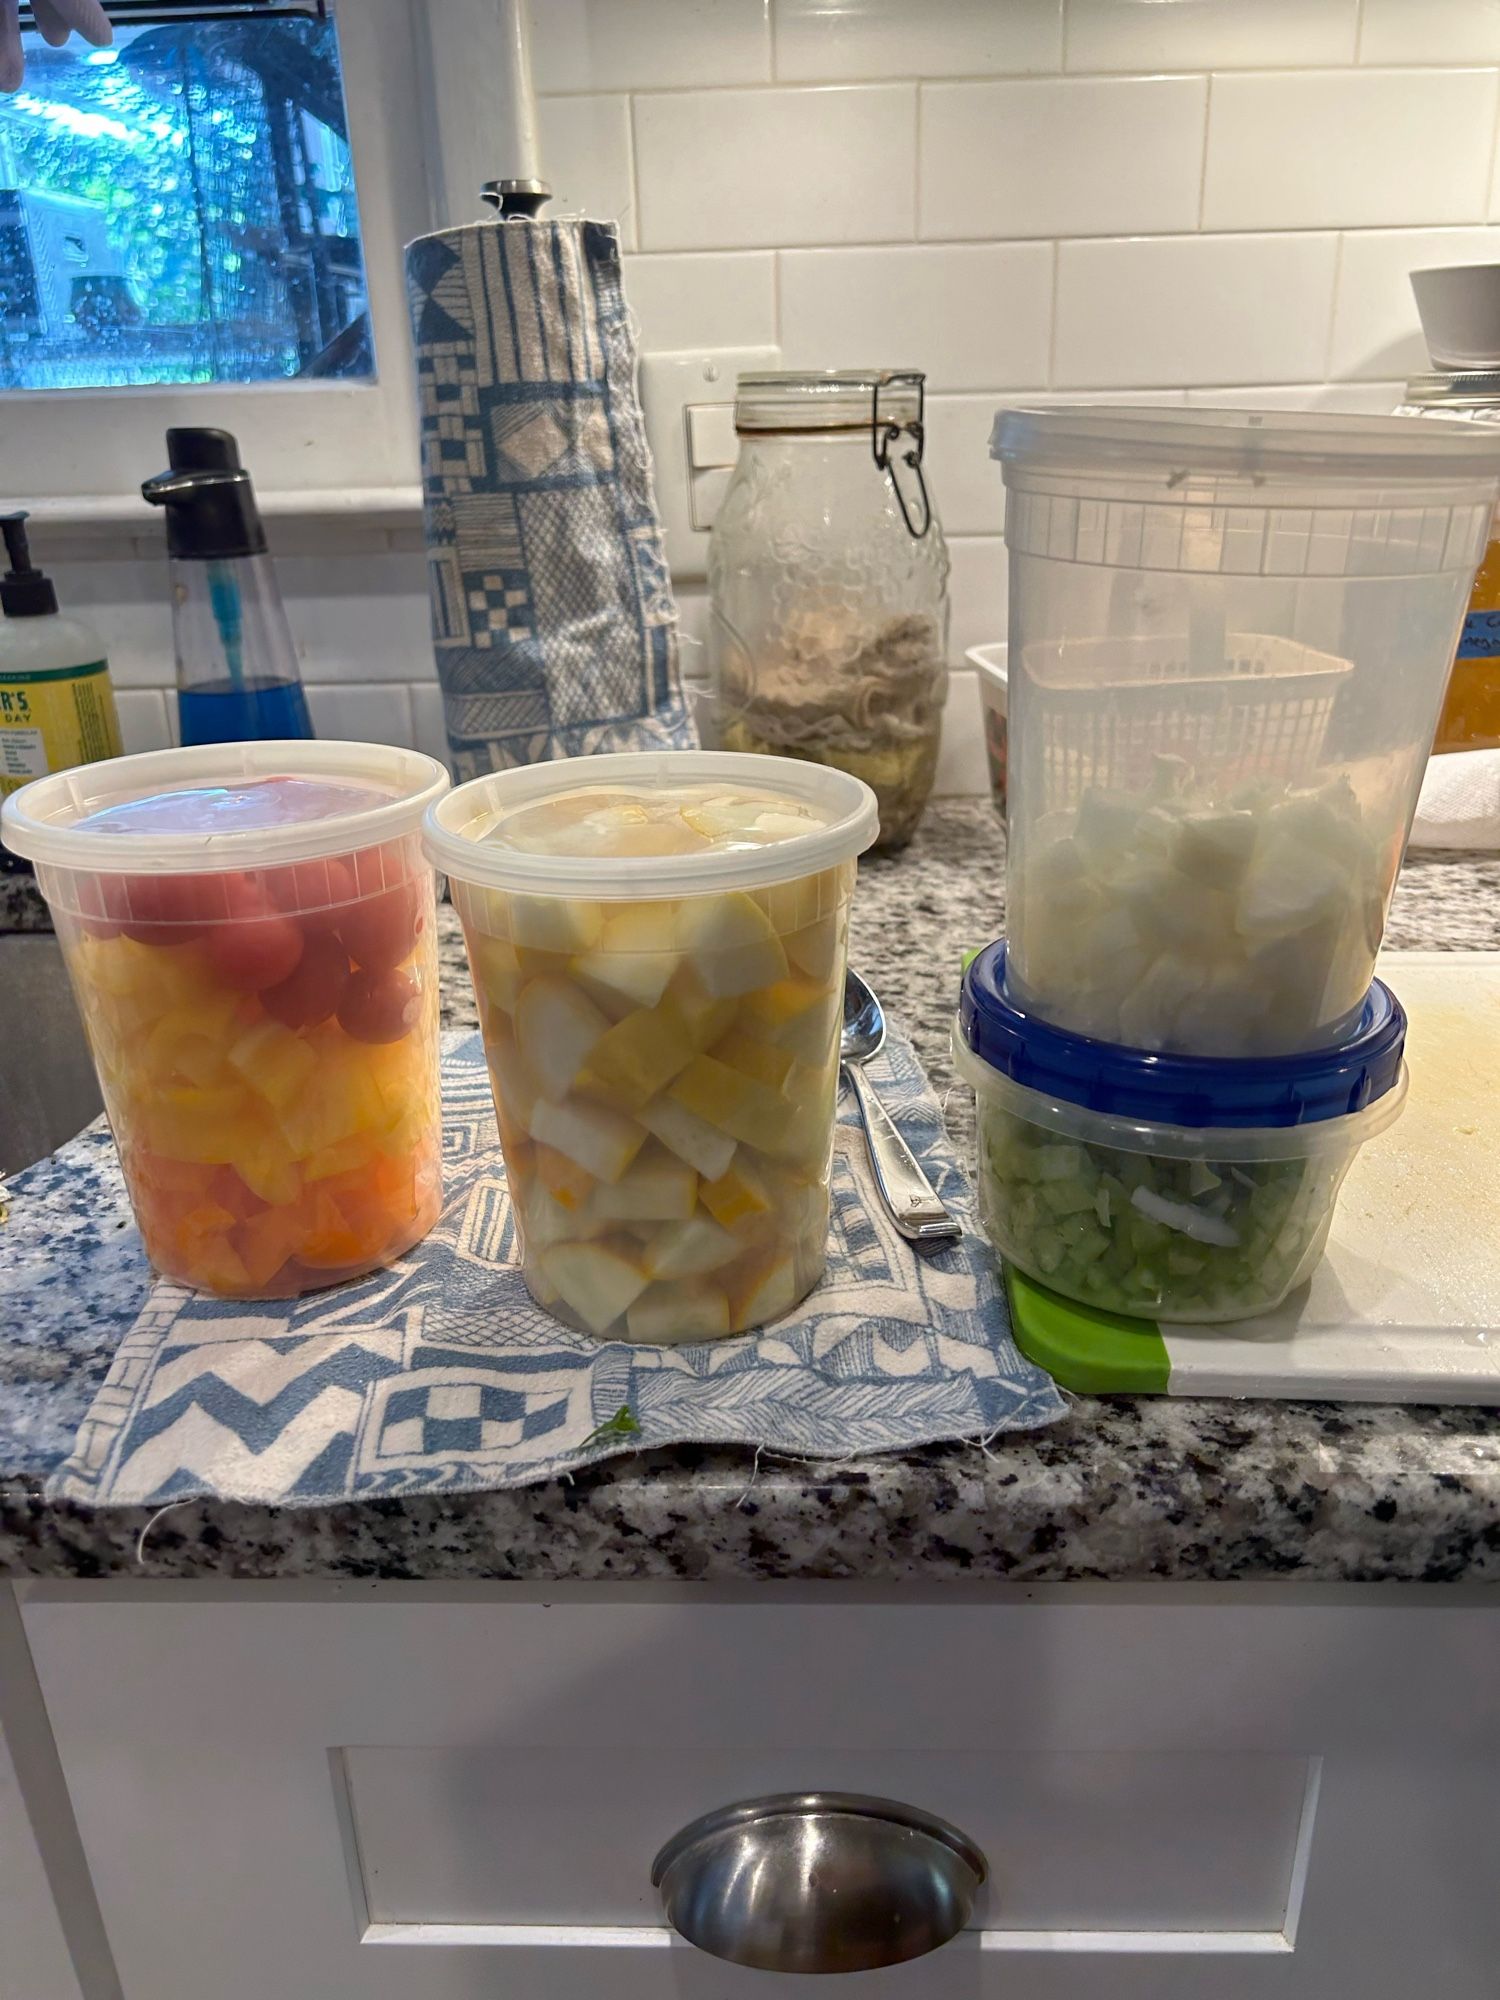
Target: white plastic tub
column 249, row 929
column 989, row 663
column 1177, row 1189
column 1230, row 636
column 657, row 942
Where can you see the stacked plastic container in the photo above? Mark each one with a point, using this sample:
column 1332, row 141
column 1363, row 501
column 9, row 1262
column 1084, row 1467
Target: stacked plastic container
column 1229, row 638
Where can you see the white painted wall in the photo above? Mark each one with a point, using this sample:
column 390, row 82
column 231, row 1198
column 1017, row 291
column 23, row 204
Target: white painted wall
column 1202, row 201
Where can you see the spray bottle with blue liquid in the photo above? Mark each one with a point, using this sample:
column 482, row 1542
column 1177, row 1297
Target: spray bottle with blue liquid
column 237, row 677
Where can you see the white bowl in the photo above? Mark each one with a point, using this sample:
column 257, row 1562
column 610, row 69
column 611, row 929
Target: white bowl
column 1460, row 309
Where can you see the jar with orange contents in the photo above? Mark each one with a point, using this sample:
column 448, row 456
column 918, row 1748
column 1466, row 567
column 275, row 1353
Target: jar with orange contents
column 1471, row 709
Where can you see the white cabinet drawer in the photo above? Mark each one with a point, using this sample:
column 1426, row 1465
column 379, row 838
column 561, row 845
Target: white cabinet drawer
column 361, row 1795
column 565, row 1835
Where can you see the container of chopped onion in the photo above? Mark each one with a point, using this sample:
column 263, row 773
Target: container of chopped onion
column 1180, row 1188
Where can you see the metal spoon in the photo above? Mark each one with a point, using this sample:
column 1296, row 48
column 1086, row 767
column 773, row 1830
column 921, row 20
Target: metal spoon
column 911, row 1198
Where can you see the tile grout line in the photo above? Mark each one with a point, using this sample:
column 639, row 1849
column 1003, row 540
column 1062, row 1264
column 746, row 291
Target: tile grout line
column 633, row 156
column 1208, row 112
column 1265, row 232
column 917, row 221
column 1052, row 312
column 1333, row 306
column 979, row 77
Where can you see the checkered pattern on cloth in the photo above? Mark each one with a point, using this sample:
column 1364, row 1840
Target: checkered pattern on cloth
column 442, row 1375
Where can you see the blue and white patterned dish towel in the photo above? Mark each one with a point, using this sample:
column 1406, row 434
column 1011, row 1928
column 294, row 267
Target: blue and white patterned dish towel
column 553, row 620
column 441, row 1376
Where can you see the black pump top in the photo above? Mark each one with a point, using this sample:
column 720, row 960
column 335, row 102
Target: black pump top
column 24, row 591
column 210, row 503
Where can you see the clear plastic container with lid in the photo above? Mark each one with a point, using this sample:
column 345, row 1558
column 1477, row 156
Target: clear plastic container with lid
column 1166, row 1187
column 249, row 931
column 657, row 942
column 828, row 574
column 1230, row 634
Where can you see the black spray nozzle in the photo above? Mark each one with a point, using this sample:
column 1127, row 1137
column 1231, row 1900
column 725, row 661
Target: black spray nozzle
column 210, row 503
column 24, row 591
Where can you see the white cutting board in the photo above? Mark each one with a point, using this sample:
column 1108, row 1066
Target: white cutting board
column 1405, row 1307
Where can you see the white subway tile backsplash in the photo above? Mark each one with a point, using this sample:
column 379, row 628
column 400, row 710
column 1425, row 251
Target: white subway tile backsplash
column 128, row 603
column 1376, row 331
column 964, row 480
column 359, row 618
column 1063, row 156
column 586, row 154
column 978, row 589
column 1211, row 34
column 649, row 44
column 731, row 169
column 143, row 719
column 962, row 769
column 1430, row 31
column 1351, row 149
column 1193, row 310
column 816, row 42
column 703, row 300
column 370, row 714
column 969, row 314
column 966, row 485
column 428, row 733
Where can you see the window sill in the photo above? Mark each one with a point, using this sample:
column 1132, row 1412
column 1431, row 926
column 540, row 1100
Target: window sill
column 112, row 515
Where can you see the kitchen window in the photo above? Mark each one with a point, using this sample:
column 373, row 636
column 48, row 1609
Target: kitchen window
column 203, row 224
column 181, row 207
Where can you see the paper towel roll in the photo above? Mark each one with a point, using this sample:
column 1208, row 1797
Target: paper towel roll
column 553, row 620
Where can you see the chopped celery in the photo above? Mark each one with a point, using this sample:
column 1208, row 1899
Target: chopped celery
column 1222, row 1239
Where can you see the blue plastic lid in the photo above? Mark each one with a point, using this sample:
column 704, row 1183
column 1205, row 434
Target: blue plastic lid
column 1181, row 1090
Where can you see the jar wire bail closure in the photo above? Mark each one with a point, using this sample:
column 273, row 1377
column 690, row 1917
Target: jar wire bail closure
column 886, row 431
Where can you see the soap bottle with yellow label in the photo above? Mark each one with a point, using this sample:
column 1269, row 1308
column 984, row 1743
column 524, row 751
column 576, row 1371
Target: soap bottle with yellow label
column 57, row 707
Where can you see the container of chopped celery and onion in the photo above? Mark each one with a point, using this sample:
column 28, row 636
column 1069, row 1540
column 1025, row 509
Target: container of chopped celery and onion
column 1166, row 1187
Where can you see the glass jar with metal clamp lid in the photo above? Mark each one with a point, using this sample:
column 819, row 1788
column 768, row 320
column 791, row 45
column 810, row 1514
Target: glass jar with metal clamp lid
column 828, row 575
column 1471, row 708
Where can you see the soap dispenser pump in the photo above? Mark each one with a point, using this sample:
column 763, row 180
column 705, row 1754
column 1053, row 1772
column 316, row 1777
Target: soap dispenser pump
column 237, row 675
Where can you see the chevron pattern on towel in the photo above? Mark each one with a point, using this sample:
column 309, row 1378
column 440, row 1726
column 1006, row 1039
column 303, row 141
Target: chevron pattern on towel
column 441, row 1375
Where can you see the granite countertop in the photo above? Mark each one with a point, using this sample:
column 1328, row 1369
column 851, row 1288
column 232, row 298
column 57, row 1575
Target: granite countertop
column 1121, row 1488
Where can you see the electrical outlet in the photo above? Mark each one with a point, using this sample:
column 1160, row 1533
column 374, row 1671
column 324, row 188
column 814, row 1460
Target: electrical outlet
column 688, row 402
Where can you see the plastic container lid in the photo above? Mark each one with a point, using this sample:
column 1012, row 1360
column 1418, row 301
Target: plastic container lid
column 239, row 825
column 1205, row 1092
column 456, row 826
column 1277, row 447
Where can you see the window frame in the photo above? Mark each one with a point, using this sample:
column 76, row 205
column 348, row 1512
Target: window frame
column 82, row 453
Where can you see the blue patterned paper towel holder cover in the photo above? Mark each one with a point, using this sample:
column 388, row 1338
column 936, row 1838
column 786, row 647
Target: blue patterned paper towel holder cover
column 553, row 620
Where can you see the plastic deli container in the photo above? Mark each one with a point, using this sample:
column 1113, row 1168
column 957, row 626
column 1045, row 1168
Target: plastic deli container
column 1167, row 1188
column 989, row 663
column 249, row 931
column 1230, row 634
column 657, row 942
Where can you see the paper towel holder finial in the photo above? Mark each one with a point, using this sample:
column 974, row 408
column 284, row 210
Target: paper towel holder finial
column 516, row 197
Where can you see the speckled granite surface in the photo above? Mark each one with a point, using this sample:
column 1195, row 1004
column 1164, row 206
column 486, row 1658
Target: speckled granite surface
column 1121, row 1489
column 21, row 904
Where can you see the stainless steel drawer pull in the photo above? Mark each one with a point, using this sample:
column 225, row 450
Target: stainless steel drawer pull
column 818, row 1882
